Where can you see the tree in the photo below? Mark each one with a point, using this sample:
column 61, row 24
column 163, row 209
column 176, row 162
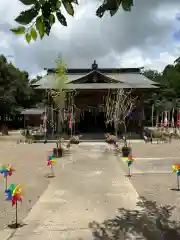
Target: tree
column 166, row 98
column 58, row 94
column 16, row 92
column 42, row 14
column 118, row 106
column 57, row 97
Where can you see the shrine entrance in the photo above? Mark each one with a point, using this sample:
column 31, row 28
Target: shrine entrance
column 92, row 123
column 92, row 117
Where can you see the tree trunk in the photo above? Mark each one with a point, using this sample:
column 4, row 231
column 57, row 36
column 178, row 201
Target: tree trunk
column 125, row 134
column 152, row 115
column 172, row 120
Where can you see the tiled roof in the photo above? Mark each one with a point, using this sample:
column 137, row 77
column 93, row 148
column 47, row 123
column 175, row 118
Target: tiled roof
column 99, row 86
column 133, row 80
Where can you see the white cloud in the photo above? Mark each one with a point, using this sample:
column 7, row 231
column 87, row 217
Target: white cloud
column 143, row 37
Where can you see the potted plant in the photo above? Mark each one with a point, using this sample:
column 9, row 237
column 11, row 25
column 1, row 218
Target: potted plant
column 75, row 139
column 119, row 105
column 58, row 151
column 58, row 97
column 126, row 149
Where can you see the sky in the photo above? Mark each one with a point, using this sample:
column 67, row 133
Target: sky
column 148, row 36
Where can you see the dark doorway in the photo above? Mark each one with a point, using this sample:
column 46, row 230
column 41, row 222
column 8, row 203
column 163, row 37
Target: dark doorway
column 100, row 122
column 91, row 123
column 87, row 122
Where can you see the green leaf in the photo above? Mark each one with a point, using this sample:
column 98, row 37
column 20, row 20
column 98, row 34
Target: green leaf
column 27, row 16
column 40, row 26
column 28, row 37
column 18, row 30
column 100, row 11
column 33, row 34
column 52, row 19
column 58, row 5
column 42, row 1
column 69, row 7
column 127, row 5
column 61, row 18
column 28, row 2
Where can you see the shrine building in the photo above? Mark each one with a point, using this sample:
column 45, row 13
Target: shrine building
column 89, row 87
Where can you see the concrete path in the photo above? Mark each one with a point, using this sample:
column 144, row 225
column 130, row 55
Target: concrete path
column 89, row 186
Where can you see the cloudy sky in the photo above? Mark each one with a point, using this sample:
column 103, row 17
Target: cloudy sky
column 147, row 36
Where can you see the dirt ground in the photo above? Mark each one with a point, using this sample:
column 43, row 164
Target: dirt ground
column 155, row 150
column 29, row 161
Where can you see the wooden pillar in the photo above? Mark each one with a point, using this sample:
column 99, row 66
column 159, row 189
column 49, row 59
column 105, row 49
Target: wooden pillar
column 141, row 115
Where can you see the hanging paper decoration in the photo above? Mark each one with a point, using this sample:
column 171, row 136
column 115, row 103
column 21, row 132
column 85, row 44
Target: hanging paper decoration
column 165, row 119
column 178, row 118
column 45, row 122
column 161, row 124
column 6, row 171
column 157, row 122
column 70, row 123
column 172, row 122
column 176, row 169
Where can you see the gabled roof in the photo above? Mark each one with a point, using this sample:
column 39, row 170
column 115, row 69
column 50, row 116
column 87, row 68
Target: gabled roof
column 131, row 77
column 134, row 80
column 93, row 76
column 84, row 71
column 100, row 86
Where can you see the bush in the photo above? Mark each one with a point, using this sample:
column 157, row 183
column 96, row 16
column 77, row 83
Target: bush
column 156, row 134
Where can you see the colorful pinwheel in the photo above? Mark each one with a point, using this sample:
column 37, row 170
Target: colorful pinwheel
column 176, row 169
column 51, row 161
column 14, row 193
column 6, row 171
column 129, row 160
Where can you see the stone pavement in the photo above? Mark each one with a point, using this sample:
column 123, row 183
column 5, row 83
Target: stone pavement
column 153, row 179
column 89, row 186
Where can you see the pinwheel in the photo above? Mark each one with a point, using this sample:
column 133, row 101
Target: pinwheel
column 50, row 162
column 14, row 194
column 6, row 171
column 176, row 169
column 129, row 160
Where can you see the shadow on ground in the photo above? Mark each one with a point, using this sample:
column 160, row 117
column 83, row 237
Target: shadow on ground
column 149, row 222
column 16, row 225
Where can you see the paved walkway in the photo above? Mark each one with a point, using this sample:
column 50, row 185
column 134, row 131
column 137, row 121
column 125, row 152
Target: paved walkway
column 89, row 186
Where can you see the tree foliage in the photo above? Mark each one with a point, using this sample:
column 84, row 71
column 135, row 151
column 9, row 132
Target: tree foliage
column 58, row 94
column 16, row 91
column 168, row 95
column 40, row 16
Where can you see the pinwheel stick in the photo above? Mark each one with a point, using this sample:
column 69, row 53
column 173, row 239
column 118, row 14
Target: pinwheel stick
column 129, row 171
column 6, row 182
column 16, row 216
column 178, row 183
column 52, row 171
